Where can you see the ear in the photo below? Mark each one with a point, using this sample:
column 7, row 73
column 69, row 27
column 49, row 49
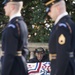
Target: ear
column 12, row 7
column 58, row 8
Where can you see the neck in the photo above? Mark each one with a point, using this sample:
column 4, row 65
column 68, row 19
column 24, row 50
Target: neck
column 17, row 14
column 60, row 16
column 59, row 13
column 13, row 13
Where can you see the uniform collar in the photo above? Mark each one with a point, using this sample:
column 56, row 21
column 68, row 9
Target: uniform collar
column 60, row 16
column 16, row 15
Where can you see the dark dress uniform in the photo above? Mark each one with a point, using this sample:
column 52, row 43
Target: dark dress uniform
column 61, row 43
column 61, row 47
column 14, row 42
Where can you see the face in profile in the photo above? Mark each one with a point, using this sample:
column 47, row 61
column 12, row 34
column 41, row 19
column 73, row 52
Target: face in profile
column 53, row 12
column 7, row 8
column 39, row 55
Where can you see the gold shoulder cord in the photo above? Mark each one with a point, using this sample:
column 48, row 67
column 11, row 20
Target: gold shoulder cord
column 18, row 27
column 69, row 27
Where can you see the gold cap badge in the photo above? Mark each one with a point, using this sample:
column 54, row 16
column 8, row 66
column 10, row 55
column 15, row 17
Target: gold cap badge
column 61, row 39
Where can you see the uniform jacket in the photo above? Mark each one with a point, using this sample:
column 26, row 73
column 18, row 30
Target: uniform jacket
column 61, row 43
column 14, row 38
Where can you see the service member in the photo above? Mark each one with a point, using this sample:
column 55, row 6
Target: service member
column 14, row 40
column 62, row 38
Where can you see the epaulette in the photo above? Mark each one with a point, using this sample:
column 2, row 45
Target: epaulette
column 11, row 25
column 65, row 25
column 62, row 24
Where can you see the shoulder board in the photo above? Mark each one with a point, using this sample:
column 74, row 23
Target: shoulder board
column 11, row 25
column 62, row 24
